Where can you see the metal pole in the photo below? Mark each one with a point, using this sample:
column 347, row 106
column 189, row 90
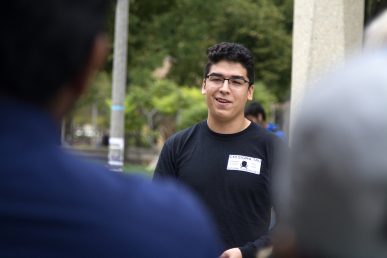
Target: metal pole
column 117, row 123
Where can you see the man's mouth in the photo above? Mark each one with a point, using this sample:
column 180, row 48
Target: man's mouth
column 223, row 101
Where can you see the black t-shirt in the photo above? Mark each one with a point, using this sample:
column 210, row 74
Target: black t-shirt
column 231, row 174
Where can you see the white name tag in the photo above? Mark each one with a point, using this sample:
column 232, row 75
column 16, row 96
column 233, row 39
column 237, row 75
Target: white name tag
column 244, row 163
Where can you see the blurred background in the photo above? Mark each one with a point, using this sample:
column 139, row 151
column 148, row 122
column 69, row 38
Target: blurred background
column 167, row 45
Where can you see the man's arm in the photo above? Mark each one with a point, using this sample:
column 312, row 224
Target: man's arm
column 166, row 165
column 231, row 253
column 250, row 250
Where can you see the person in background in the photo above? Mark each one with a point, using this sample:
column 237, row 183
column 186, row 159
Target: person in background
column 227, row 160
column 332, row 193
column 52, row 203
column 256, row 113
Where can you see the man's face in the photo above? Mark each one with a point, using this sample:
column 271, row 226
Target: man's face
column 226, row 101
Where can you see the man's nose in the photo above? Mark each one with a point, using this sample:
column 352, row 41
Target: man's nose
column 225, row 86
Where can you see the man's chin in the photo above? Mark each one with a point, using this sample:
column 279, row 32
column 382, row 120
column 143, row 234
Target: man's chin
column 222, row 116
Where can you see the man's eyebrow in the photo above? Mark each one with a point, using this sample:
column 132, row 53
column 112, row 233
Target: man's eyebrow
column 232, row 76
column 216, row 74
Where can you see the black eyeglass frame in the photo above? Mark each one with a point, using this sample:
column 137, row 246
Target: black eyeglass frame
column 228, row 79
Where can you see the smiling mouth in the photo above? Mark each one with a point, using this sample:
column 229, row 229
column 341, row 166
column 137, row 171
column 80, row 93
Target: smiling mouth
column 223, row 101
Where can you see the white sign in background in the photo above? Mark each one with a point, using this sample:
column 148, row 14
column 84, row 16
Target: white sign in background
column 116, row 151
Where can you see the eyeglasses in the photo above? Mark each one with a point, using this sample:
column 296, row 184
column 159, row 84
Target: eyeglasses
column 218, row 80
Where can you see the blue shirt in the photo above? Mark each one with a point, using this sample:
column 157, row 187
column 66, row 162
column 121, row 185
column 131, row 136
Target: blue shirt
column 56, row 205
column 271, row 127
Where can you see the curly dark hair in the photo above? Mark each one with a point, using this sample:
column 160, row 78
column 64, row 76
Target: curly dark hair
column 227, row 51
column 45, row 44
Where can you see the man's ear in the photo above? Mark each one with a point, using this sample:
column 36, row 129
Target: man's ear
column 250, row 92
column 204, row 87
column 94, row 62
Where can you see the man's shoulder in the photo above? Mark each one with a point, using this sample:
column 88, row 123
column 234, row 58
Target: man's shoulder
column 165, row 211
column 260, row 132
column 134, row 209
column 129, row 192
column 121, row 191
column 263, row 138
column 106, row 212
column 185, row 134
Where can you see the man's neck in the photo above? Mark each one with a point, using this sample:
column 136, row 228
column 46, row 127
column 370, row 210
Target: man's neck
column 228, row 127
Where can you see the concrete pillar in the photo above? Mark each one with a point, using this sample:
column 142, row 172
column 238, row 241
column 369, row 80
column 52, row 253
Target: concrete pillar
column 325, row 32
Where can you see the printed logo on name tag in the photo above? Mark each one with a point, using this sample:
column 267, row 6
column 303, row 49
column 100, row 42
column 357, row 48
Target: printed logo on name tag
column 244, row 163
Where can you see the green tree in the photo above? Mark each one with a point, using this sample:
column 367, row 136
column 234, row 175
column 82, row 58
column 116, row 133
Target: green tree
column 187, row 28
column 193, row 109
column 183, row 30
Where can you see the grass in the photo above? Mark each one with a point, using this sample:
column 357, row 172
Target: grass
column 135, row 168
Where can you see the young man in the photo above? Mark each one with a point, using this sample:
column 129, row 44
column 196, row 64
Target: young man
column 52, row 203
column 227, row 160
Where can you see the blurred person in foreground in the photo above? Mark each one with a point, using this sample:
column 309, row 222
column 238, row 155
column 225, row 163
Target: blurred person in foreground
column 227, row 160
column 375, row 35
column 334, row 196
column 52, row 203
column 256, row 113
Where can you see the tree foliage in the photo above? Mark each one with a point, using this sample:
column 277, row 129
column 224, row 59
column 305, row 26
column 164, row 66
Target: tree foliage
column 187, row 28
column 183, row 30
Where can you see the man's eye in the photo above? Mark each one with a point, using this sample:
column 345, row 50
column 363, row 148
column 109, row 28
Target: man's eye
column 216, row 79
column 237, row 82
